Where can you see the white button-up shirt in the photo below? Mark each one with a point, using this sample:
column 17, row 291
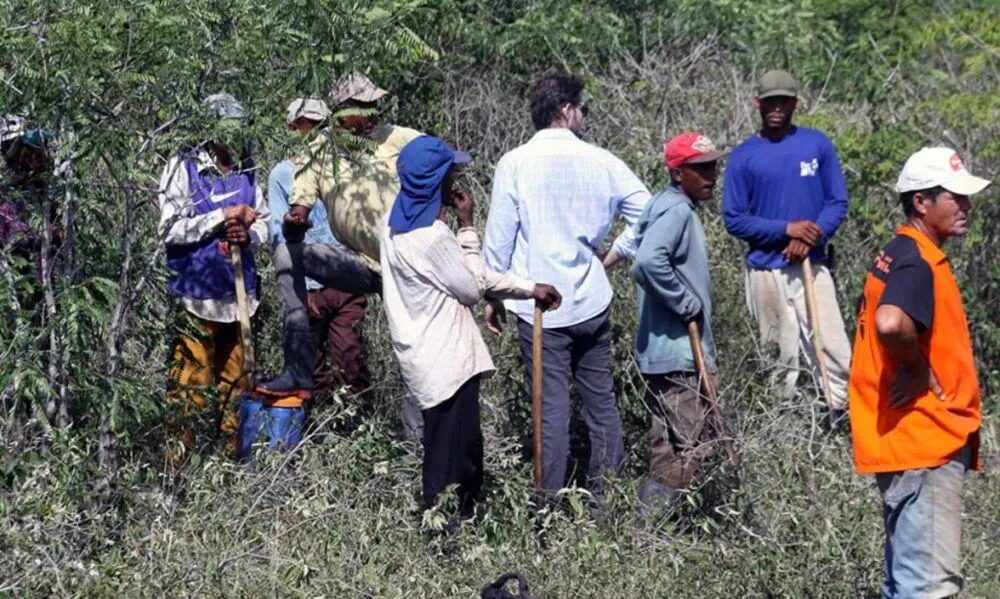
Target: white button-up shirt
column 430, row 282
column 554, row 201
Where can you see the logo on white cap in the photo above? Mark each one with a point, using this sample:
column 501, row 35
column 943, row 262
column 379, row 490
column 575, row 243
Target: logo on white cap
column 938, row 167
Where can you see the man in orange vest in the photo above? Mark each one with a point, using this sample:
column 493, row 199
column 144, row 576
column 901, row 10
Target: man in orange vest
column 914, row 396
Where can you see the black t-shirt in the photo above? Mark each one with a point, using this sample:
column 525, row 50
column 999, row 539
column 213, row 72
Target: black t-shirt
column 909, row 280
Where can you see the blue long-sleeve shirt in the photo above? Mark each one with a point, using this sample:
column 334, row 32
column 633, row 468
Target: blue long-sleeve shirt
column 279, row 188
column 769, row 184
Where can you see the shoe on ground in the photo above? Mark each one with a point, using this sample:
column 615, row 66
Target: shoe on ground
column 838, row 421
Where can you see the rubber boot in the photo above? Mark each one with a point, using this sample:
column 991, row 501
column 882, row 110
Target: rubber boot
column 296, row 379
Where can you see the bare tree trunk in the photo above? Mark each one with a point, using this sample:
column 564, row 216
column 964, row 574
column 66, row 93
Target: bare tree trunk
column 68, row 253
column 14, row 415
column 107, row 448
column 68, row 250
column 128, row 294
column 56, row 409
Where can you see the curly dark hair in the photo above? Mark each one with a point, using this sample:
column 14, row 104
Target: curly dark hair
column 550, row 91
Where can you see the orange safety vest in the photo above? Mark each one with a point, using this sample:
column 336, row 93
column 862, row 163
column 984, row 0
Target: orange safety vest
column 928, row 432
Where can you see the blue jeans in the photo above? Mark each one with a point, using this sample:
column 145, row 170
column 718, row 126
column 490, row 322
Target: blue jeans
column 922, row 511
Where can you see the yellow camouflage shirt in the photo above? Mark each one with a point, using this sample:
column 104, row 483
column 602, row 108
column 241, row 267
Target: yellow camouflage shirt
column 357, row 194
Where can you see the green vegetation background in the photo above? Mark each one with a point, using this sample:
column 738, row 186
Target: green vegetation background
column 120, row 82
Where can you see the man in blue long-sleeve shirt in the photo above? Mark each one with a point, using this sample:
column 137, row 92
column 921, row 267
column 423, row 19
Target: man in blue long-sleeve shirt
column 784, row 193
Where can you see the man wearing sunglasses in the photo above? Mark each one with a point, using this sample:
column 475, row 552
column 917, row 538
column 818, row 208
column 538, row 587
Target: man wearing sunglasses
column 554, row 201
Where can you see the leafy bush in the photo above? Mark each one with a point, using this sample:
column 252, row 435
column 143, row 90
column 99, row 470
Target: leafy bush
column 83, row 349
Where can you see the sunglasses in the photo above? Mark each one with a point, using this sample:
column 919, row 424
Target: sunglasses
column 584, row 108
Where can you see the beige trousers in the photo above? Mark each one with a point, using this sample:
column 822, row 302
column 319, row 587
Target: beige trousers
column 777, row 301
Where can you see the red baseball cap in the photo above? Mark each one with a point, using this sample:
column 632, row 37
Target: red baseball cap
column 690, row 148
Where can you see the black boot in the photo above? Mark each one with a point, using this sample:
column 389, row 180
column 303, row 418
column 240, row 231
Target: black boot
column 296, row 379
column 839, row 421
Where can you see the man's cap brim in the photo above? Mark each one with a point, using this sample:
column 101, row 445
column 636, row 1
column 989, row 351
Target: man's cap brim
column 312, row 116
column 462, row 157
column 773, row 93
column 965, row 184
column 707, row 157
column 370, row 95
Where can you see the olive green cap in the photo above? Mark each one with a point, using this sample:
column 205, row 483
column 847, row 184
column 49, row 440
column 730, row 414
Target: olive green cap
column 777, row 83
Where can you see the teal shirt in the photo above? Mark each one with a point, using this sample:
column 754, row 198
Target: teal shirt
column 671, row 269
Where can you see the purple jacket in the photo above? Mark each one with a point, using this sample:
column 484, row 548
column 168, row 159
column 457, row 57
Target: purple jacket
column 201, row 270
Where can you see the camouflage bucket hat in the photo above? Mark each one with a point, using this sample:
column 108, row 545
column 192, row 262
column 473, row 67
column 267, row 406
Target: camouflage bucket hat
column 223, row 106
column 355, row 87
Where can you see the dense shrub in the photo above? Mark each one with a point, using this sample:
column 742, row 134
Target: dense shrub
column 82, row 505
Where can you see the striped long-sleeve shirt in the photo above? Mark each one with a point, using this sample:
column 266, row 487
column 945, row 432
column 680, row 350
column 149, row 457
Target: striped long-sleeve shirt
column 430, row 281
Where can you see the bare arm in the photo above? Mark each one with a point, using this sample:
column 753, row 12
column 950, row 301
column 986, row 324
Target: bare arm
column 898, row 334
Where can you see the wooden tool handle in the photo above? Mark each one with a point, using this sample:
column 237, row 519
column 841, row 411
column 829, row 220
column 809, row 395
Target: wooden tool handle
column 243, row 307
column 705, row 379
column 694, row 336
column 817, row 340
column 536, row 394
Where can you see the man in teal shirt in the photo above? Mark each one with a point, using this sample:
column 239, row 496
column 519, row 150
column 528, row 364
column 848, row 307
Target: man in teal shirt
column 671, row 269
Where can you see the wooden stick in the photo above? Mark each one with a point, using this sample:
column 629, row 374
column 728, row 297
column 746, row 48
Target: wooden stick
column 814, row 325
column 536, row 394
column 243, row 307
column 704, row 377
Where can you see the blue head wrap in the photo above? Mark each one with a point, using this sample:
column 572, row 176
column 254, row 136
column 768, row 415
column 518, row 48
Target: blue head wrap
column 422, row 166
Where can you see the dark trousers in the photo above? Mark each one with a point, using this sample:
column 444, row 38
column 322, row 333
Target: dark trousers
column 584, row 351
column 681, row 430
column 332, row 266
column 340, row 360
column 453, row 447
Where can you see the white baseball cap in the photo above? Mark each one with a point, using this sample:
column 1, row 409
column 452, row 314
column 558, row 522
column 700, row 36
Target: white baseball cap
column 938, row 167
column 223, row 106
column 313, row 109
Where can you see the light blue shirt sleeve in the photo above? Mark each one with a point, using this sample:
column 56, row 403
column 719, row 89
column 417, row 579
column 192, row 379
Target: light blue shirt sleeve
column 279, row 189
column 654, row 267
column 632, row 199
column 279, row 186
column 502, row 222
